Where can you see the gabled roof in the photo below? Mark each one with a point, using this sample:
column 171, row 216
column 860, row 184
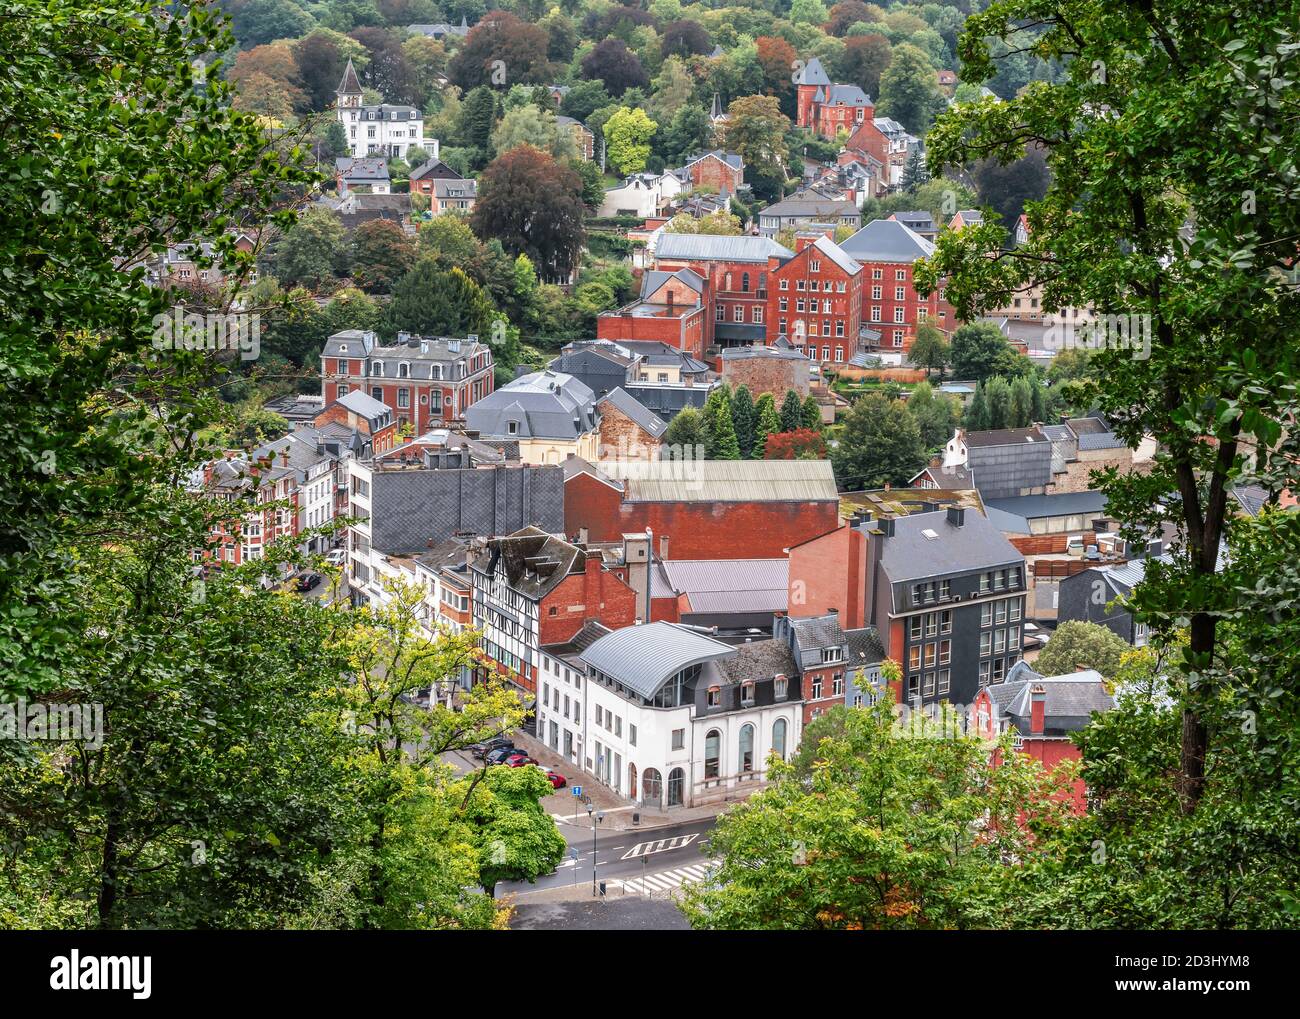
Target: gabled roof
column 887, row 240
column 633, row 409
column 912, row 554
column 359, row 171
column 643, row 658
column 1068, row 701
column 367, row 406
column 723, row 480
column 543, row 404
column 729, row 585
column 732, row 159
column 656, row 278
column 806, row 204
column 719, row 247
column 845, row 95
column 532, row 560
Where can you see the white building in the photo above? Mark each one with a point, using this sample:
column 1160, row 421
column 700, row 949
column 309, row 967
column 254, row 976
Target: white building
column 675, row 718
column 641, row 194
column 383, row 130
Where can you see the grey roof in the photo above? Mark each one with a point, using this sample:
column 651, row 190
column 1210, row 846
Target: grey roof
column 836, row 253
column 782, row 353
column 632, row 408
column 864, row 647
column 913, row 555
column 656, row 278
column 723, row 480
column 1003, row 436
column 887, row 240
column 644, row 657
column 359, row 171
column 667, row 401
column 957, row 476
column 532, row 560
column 1057, row 433
column 540, row 405
column 758, row 659
column 350, row 84
column 845, row 95
column 732, row 159
column 1101, row 440
column 1068, row 702
column 717, row 246
column 1054, row 505
column 971, row 216
column 1007, row 523
column 450, row 188
column 730, row 585
column 434, row 166
column 804, row 206
column 367, row 406
column 812, row 74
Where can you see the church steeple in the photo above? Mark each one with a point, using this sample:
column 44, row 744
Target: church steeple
column 349, row 90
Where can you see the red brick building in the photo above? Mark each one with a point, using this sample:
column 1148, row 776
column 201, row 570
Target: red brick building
column 827, row 108
column 707, row 509
column 370, row 418
column 1044, row 712
column 887, row 250
column 718, row 169
column 673, row 308
column 735, row 274
column 815, row 300
column 427, row 381
column 269, row 485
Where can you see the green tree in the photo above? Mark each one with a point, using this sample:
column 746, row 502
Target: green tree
column 997, row 391
column 1021, row 414
column 791, row 411
column 929, row 350
column 811, row 415
column 979, row 350
column 932, row 820
column 687, row 434
column 978, row 417
column 909, row 89
column 721, row 443
column 432, row 301
column 879, row 442
column 688, row 132
column 1075, row 645
column 381, row 254
column 767, row 422
column 311, row 252
column 936, row 414
column 627, row 139
column 744, row 418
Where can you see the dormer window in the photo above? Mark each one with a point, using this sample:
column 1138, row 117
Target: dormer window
column 832, row 654
column 512, row 428
column 781, row 687
column 713, row 698
column 404, row 370
column 377, row 369
column 747, row 692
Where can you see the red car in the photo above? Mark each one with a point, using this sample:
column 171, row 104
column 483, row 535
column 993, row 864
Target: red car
column 557, row 780
column 519, row 760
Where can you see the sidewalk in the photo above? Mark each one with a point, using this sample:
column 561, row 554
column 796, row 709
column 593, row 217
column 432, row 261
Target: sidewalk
column 620, row 812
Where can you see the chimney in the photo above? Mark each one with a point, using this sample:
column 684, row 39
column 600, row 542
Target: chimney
column 887, row 526
column 670, row 298
column 591, row 583
column 284, row 458
column 582, row 535
column 957, row 516
column 1037, row 709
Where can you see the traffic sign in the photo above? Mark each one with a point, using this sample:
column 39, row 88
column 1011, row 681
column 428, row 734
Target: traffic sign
column 577, row 790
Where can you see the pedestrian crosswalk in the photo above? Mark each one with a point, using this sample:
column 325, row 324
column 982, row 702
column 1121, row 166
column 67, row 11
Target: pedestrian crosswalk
column 667, row 880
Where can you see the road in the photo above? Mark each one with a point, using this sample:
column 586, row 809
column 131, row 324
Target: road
column 624, row 856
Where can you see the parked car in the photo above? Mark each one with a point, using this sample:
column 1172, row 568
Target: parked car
column 499, row 755
column 518, row 760
column 307, row 581
column 481, row 750
column 557, row 780
column 336, row 557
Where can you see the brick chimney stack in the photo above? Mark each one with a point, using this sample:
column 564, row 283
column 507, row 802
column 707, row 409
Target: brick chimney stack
column 591, row 582
column 1037, row 709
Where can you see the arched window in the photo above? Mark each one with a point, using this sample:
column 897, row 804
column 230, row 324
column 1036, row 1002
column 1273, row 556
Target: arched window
column 631, row 779
column 676, row 787
column 778, row 737
column 404, row 370
column 652, row 787
column 744, row 282
column 746, row 748
column 712, row 750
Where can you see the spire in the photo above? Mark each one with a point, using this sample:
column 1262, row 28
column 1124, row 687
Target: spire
column 350, row 85
column 717, row 106
column 463, row 24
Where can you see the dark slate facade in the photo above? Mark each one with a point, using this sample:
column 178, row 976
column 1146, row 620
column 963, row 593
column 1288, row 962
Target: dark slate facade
column 1010, row 462
column 412, row 507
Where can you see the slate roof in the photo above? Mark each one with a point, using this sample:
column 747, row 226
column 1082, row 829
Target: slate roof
column 812, row 74
column 667, row 401
column 723, row 480
column 952, row 477
column 803, row 205
column 1057, row 433
column 1068, row 703
column 1056, row 504
column 656, row 278
column 977, row 544
column 864, row 647
column 784, row 353
column 644, row 418
column 758, row 659
column 432, row 166
column 533, row 561
column 541, row 405
column 887, row 240
column 1003, row 436
column 732, row 159
column 644, row 657
column 365, row 170
column 716, row 246
column 1101, row 440
column 844, row 95
column 367, row 406
column 350, row 84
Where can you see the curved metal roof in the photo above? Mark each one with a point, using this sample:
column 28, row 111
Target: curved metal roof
column 645, row 657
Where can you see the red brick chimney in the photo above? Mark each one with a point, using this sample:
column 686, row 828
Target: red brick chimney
column 1037, row 710
column 591, row 583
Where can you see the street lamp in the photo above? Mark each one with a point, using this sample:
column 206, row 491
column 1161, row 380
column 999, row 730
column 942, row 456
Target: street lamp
column 596, row 817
